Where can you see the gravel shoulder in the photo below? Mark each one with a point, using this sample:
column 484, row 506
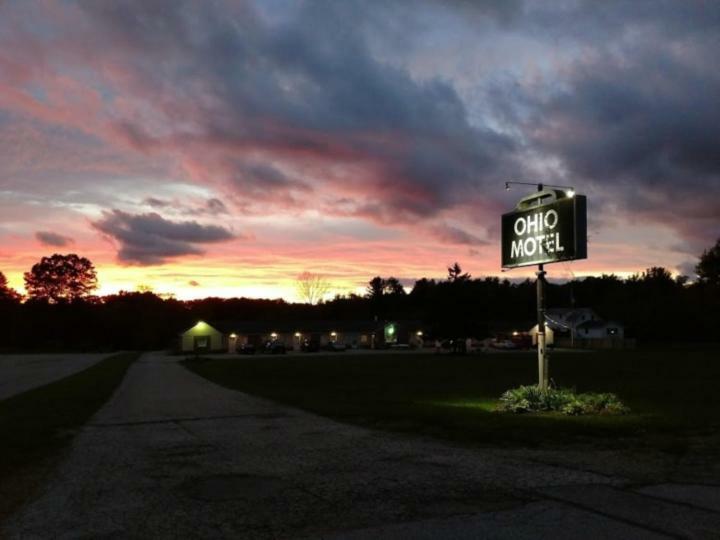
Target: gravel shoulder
column 173, row 455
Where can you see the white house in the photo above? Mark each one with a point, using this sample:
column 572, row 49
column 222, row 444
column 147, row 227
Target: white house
column 577, row 324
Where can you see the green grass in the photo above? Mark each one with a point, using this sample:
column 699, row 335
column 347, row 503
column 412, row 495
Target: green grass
column 36, row 425
column 671, row 393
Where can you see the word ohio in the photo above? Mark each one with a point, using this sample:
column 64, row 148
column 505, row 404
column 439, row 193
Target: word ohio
column 544, row 228
column 536, row 224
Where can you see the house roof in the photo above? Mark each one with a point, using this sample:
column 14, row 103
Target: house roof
column 287, row 327
column 572, row 314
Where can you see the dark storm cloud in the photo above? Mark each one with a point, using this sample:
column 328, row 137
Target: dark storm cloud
column 644, row 131
column 633, row 117
column 261, row 179
column 150, row 239
column 307, row 90
column 352, row 101
column 48, row 238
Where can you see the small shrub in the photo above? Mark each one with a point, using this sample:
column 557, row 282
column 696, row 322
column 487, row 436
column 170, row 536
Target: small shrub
column 531, row 399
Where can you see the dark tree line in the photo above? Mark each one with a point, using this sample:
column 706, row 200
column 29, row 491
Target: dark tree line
column 62, row 315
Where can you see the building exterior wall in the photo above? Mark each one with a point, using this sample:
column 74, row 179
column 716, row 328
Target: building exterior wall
column 598, row 343
column 549, row 335
column 202, row 330
column 601, row 332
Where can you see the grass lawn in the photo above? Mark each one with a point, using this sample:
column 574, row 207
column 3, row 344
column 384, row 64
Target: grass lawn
column 36, row 425
column 672, row 393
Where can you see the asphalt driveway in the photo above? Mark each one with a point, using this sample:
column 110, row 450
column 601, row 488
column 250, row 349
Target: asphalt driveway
column 172, row 455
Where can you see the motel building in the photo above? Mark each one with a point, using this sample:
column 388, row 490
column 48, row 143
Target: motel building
column 231, row 336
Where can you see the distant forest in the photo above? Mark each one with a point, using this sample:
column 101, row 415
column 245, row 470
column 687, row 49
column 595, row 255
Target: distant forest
column 653, row 306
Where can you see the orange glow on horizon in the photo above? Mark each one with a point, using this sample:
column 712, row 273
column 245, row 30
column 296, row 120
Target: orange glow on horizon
column 269, row 269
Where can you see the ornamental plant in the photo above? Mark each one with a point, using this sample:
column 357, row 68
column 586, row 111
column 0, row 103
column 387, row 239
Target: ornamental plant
column 530, row 398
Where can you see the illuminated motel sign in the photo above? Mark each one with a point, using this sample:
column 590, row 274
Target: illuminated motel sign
column 545, row 227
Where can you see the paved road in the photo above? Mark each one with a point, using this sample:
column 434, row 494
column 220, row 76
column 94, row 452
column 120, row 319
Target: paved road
column 175, row 456
column 22, row 372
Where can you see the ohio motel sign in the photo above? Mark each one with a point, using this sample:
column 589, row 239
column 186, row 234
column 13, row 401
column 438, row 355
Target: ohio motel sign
column 545, row 227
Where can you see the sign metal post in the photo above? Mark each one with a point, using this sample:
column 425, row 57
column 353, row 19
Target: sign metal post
column 543, row 376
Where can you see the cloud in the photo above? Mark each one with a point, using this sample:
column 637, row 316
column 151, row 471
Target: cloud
column 454, row 235
column 147, row 239
column 48, row 238
column 412, row 117
column 210, row 207
column 309, row 97
column 639, row 129
column 156, row 203
column 215, row 206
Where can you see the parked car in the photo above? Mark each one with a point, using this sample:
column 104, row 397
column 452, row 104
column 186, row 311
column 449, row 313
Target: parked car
column 455, row 345
column 503, row 344
column 310, row 346
column 246, row 348
column 335, row 347
column 274, row 347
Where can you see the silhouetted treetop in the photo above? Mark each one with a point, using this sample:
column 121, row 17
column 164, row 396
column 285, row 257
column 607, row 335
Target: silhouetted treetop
column 708, row 269
column 375, row 287
column 393, row 286
column 455, row 273
column 61, row 278
column 7, row 294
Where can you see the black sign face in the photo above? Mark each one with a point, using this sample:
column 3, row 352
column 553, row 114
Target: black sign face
column 553, row 232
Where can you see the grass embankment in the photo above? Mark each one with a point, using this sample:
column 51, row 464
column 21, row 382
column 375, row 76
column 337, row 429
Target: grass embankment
column 670, row 393
column 36, row 425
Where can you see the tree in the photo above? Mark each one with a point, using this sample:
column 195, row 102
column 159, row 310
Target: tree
column 657, row 275
column 6, row 293
column 375, row 287
column 312, row 287
column 393, row 286
column 455, row 273
column 61, row 278
column 708, row 268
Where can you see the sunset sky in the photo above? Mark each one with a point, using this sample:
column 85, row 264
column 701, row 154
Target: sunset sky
column 222, row 148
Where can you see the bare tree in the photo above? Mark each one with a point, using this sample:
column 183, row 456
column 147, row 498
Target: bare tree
column 312, row 287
